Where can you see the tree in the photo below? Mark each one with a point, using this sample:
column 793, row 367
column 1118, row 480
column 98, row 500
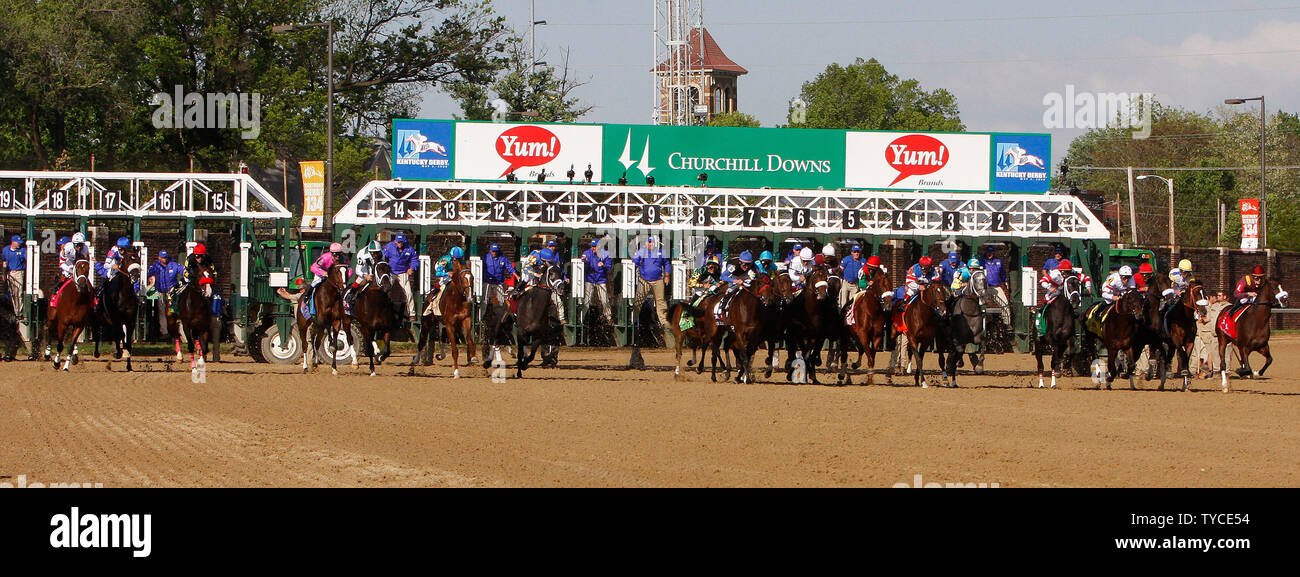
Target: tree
column 734, row 119
column 864, row 96
column 543, row 89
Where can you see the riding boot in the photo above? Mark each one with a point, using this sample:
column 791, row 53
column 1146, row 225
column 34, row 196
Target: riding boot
column 347, row 301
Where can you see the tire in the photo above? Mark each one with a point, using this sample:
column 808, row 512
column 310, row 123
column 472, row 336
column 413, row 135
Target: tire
column 343, row 355
column 269, row 349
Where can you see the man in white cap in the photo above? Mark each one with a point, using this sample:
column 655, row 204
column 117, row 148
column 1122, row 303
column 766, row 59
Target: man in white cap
column 801, row 266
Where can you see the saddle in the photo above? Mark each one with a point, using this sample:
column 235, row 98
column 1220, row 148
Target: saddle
column 1096, row 316
column 1228, row 322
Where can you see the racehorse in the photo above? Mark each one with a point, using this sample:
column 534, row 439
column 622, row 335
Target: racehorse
column 1060, row 317
column 1122, row 331
column 701, row 333
column 116, row 320
column 454, row 315
column 194, row 314
column 779, row 291
column 498, row 323
column 965, row 326
column 328, row 300
column 375, row 311
column 1180, row 323
column 536, row 322
column 870, row 323
column 72, row 316
column 743, row 333
column 813, row 318
column 924, row 320
column 1252, row 330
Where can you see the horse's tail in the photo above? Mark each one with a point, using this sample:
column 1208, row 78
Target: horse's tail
column 687, row 309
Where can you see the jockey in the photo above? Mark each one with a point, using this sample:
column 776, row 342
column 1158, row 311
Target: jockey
column 194, row 260
column 1181, row 278
column 922, row 273
column 365, row 274
column 532, row 267
column 1247, row 289
column 69, row 252
column 442, row 269
column 320, row 269
column 961, row 277
column 1143, row 278
column 706, row 280
column 800, row 267
column 766, row 263
column 113, row 258
column 1118, row 283
column 742, row 272
column 1053, row 282
column 832, row 260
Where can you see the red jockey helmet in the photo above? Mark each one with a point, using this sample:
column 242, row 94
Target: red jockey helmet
column 926, row 261
column 1065, row 264
column 1257, row 271
column 873, row 261
column 1146, row 268
column 200, row 249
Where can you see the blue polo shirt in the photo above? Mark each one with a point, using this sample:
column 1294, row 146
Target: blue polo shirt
column 594, row 273
column 401, row 260
column 651, row 266
column 166, row 276
column 15, row 259
column 993, row 270
column 852, row 268
column 497, row 268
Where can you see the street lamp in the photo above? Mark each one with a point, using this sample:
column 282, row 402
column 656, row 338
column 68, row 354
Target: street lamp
column 1170, row 182
column 532, row 36
column 329, row 112
column 1263, row 165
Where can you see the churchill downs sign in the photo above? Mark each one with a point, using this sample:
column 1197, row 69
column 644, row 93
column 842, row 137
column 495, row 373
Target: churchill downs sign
column 729, row 157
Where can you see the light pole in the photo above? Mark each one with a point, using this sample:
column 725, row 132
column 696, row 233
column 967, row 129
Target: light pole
column 1263, row 165
column 1170, row 182
column 328, row 221
column 532, row 36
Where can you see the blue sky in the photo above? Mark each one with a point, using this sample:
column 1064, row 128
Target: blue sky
column 999, row 59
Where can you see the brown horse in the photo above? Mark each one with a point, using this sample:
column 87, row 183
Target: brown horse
column 1252, row 331
column 870, row 322
column 1181, row 323
column 455, row 318
column 1123, row 331
column 813, row 318
column 194, row 314
column 117, row 317
column 701, row 334
column 923, row 319
column 65, row 322
column 375, row 312
column 744, row 331
column 328, row 299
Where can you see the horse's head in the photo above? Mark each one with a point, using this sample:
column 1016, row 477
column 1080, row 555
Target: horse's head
column 338, row 275
column 820, row 279
column 82, row 268
column 554, row 276
column 1194, row 299
column 935, row 295
column 1072, row 291
column 1272, row 293
column 1132, row 303
column 383, row 274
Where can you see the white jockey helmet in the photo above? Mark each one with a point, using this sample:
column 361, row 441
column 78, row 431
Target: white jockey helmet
column 78, row 238
column 806, row 254
column 1126, row 271
column 828, row 250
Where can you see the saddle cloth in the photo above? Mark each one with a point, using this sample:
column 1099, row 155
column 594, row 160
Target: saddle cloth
column 849, row 319
column 1228, row 323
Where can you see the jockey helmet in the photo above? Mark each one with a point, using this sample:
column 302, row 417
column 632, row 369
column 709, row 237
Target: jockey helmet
column 820, row 259
column 1146, row 268
column 457, row 252
column 200, row 249
column 973, row 263
column 806, row 254
column 336, row 247
column 873, row 261
column 64, row 240
column 123, row 242
column 1185, row 265
column 954, row 257
column 712, row 264
column 494, row 248
column 1065, row 264
column 78, row 238
column 1126, row 271
column 829, row 249
column 767, row 255
column 746, row 257
column 925, row 261
column 1257, row 271
column 545, row 254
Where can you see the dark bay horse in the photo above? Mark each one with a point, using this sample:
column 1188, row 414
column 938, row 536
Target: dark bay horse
column 925, row 320
column 455, row 316
column 870, row 324
column 701, row 333
column 536, row 322
column 116, row 320
column 1122, row 331
column 498, row 324
column 1180, row 323
column 813, row 317
column 375, row 312
column 194, row 315
column 328, row 299
column 1252, row 331
column 779, row 291
column 1059, row 338
column 965, row 327
column 743, row 333
column 64, row 324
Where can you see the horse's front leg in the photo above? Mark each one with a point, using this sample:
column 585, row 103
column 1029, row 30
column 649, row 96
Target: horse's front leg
column 455, row 350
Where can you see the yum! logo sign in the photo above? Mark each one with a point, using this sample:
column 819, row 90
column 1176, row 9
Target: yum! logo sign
column 490, row 150
column 934, row 161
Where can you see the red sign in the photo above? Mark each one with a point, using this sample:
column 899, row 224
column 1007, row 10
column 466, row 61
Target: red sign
column 915, row 155
column 1250, row 224
column 527, row 146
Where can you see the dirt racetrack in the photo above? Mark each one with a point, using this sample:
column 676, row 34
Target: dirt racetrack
column 594, row 423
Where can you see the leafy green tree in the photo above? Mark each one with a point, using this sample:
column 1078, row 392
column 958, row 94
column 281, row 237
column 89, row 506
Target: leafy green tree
column 544, row 90
column 864, row 96
column 734, row 119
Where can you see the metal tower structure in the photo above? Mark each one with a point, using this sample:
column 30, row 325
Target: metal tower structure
column 678, row 68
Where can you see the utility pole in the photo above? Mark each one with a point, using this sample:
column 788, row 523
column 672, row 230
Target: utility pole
column 1132, row 210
